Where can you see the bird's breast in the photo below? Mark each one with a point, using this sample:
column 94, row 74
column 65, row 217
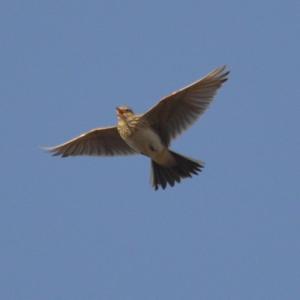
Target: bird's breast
column 146, row 141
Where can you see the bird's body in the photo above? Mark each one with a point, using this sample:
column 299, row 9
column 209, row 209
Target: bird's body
column 150, row 134
column 145, row 141
column 137, row 133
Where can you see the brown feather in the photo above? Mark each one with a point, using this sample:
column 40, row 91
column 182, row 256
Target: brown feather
column 97, row 142
column 176, row 112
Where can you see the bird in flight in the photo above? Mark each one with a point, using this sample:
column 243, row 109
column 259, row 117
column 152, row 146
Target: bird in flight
column 151, row 133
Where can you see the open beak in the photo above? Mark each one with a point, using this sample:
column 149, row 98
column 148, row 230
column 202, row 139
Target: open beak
column 119, row 111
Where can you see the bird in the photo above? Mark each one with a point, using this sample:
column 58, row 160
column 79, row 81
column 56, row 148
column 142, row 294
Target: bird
column 151, row 133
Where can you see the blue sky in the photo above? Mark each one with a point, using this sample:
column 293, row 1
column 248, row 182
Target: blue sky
column 93, row 228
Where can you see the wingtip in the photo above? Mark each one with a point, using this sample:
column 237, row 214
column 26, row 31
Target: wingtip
column 221, row 73
column 50, row 150
column 222, row 69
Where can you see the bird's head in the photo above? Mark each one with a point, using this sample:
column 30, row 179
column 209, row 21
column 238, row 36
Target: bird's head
column 124, row 112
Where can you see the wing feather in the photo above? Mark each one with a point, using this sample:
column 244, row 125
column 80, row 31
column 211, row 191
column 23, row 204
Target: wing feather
column 97, row 142
column 178, row 111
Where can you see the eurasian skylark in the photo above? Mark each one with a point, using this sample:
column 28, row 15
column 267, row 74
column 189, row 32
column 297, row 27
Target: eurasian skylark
column 150, row 133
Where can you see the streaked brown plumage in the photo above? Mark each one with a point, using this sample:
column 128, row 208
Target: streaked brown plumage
column 151, row 133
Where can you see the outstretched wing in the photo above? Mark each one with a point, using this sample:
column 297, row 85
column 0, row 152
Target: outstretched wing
column 176, row 112
column 97, row 142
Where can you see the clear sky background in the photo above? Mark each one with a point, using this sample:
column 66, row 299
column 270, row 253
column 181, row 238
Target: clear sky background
column 93, row 228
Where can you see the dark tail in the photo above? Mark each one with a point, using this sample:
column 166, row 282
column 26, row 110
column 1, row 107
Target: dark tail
column 184, row 167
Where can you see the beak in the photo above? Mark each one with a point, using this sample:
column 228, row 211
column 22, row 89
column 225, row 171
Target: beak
column 119, row 111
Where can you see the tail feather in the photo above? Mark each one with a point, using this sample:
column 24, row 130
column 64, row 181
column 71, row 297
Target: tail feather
column 183, row 168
